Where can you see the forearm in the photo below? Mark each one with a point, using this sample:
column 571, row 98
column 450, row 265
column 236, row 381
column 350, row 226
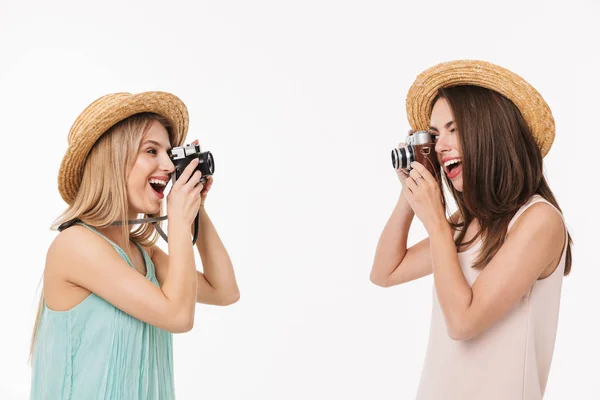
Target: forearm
column 453, row 291
column 216, row 263
column 392, row 247
column 180, row 281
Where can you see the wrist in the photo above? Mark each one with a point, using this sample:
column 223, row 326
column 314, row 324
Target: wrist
column 403, row 204
column 440, row 229
column 179, row 224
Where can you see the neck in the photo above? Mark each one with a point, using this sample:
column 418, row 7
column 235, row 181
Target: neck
column 115, row 233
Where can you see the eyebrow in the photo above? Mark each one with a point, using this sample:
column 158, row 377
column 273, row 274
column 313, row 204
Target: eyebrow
column 154, row 142
column 433, row 128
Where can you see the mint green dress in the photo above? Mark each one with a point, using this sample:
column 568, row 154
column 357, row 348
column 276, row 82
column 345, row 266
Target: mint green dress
column 96, row 351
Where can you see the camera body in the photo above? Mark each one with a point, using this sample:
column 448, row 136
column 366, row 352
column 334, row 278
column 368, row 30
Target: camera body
column 183, row 155
column 420, row 147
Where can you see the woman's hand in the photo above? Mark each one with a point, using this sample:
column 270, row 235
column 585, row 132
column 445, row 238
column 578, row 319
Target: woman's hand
column 183, row 201
column 423, row 194
column 207, row 184
column 204, row 193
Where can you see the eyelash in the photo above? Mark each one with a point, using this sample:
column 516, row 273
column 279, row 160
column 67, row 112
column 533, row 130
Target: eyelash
column 151, row 150
column 437, row 134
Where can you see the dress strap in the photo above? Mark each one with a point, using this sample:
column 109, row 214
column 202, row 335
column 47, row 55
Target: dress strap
column 116, row 246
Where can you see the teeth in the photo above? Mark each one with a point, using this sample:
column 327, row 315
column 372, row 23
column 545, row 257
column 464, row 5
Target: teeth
column 158, row 182
column 450, row 162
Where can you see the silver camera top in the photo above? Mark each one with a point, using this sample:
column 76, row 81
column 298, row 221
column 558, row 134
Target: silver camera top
column 420, row 137
column 184, row 151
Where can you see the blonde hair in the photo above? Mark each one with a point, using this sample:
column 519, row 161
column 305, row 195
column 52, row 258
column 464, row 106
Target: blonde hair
column 102, row 196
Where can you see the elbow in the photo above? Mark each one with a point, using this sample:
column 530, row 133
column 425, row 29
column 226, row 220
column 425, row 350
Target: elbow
column 229, row 297
column 379, row 280
column 458, row 335
column 461, row 331
column 181, row 321
column 183, row 325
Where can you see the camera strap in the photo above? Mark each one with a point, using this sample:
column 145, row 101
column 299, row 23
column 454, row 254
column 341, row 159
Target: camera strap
column 152, row 220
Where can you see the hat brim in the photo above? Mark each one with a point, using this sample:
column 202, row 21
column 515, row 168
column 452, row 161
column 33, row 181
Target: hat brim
column 533, row 107
column 104, row 113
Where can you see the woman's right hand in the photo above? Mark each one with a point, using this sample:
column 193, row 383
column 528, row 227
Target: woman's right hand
column 183, row 201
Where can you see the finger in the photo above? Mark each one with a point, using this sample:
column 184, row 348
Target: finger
column 411, row 185
column 197, row 190
column 187, row 172
column 208, row 183
column 402, row 173
column 414, row 173
column 195, row 141
column 194, row 180
column 416, row 176
column 424, row 172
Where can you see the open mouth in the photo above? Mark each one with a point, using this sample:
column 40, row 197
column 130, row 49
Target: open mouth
column 453, row 167
column 158, row 186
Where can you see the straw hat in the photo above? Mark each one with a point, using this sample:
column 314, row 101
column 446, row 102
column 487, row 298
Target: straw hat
column 534, row 109
column 100, row 116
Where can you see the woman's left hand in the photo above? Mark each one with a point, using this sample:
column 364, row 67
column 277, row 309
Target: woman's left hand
column 424, row 197
column 207, row 184
column 205, row 189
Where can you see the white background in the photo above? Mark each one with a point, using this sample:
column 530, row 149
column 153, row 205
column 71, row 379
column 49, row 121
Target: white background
column 301, row 103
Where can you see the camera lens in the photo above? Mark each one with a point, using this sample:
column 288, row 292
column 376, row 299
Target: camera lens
column 395, row 158
column 402, row 157
column 207, row 163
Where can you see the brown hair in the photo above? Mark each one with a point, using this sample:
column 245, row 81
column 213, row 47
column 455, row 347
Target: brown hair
column 102, row 196
column 502, row 167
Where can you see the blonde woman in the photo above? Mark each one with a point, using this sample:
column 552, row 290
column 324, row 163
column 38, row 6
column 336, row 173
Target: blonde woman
column 498, row 263
column 111, row 298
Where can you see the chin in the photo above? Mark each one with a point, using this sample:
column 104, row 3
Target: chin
column 154, row 211
column 147, row 208
column 455, row 183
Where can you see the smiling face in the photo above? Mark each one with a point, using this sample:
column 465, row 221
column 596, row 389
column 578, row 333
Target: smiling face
column 150, row 172
column 447, row 146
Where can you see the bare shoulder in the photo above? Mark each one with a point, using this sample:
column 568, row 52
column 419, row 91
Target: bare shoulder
column 63, row 256
column 65, row 244
column 71, row 241
column 541, row 218
column 71, row 245
column 541, row 227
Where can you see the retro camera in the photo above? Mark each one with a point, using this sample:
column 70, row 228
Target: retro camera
column 420, row 147
column 183, row 155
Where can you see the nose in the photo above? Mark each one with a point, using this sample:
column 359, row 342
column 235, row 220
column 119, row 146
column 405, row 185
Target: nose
column 442, row 144
column 166, row 164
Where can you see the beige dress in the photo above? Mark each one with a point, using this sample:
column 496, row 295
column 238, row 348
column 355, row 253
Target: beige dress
column 509, row 361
